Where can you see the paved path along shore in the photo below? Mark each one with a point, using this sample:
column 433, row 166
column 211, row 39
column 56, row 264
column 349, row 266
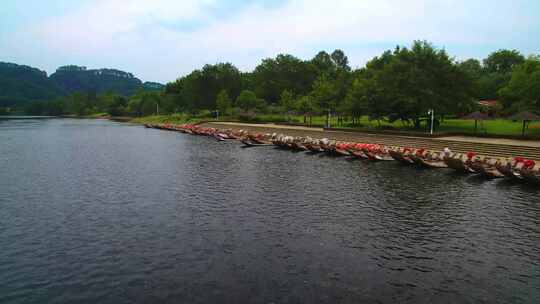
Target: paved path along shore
column 486, row 146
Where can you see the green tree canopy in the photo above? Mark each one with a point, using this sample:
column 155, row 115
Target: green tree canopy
column 144, row 103
column 359, row 99
column 502, row 61
column 323, row 63
column 407, row 83
column 340, row 60
column 324, row 93
column 522, row 93
column 199, row 89
column 223, row 102
column 306, row 105
column 118, row 106
column 285, row 72
column 247, row 101
column 286, row 101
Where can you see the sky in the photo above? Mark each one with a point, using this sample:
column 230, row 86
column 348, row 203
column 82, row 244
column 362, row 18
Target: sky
column 161, row 40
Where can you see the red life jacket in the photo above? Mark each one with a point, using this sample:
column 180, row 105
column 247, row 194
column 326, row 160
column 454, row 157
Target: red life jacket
column 529, row 163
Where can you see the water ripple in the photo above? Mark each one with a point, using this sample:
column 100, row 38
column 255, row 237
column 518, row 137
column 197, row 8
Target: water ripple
column 98, row 212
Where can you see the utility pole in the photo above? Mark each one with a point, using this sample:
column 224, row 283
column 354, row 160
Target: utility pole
column 157, row 108
column 328, row 119
column 432, row 112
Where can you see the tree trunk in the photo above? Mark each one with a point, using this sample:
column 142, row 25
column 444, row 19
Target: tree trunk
column 417, row 123
column 327, row 119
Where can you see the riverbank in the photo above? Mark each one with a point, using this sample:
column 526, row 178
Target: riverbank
column 485, row 146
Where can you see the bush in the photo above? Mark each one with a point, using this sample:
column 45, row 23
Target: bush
column 205, row 114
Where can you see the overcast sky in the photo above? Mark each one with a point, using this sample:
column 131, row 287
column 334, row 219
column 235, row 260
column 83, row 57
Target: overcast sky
column 160, row 40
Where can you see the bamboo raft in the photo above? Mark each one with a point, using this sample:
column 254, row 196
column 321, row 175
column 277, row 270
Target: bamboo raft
column 515, row 168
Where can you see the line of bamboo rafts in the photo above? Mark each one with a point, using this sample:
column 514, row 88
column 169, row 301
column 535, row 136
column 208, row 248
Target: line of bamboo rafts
column 517, row 168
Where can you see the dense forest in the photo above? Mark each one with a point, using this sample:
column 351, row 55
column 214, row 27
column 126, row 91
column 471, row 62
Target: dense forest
column 21, row 85
column 78, row 79
column 400, row 84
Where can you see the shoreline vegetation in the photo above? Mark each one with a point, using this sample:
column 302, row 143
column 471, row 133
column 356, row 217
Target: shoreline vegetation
column 410, row 90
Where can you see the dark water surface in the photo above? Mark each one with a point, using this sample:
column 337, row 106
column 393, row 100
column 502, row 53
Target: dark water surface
column 93, row 211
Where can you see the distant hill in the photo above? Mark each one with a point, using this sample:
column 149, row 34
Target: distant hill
column 73, row 78
column 20, row 84
column 153, row 86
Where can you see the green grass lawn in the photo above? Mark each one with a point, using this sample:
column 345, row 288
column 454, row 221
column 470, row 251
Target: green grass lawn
column 490, row 127
column 497, row 127
column 173, row 118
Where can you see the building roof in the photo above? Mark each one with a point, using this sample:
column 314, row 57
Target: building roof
column 488, row 103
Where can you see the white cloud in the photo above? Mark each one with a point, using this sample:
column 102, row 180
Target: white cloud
column 146, row 37
column 97, row 25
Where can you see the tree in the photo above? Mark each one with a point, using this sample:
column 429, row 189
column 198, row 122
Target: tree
column 324, row 63
column 502, row 61
column 247, row 101
column 150, row 103
column 285, row 72
column 522, row 93
column 489, row 84
column 117, row 106
column 134, row 107
column 340, row 60
column 358, row 99
column 335, row 69
column 199, row 89
column 223, row 102
column 324, row 94
column 472, row 67
column 144, row 103
column 77, row 104
column 168, row 103
column 496, row 74
column 286, row 102
column 473, row 70
column 405, row 84
column 306, row 106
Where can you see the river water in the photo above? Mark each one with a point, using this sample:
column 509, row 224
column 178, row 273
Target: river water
column 93, row 211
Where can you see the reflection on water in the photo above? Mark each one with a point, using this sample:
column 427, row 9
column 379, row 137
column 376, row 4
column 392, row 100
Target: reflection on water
column 96, row 211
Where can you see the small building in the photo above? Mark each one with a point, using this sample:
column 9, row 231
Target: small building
column 488, row 103
column 490, row 106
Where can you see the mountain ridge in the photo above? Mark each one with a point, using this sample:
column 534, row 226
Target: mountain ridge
column 20, row 84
